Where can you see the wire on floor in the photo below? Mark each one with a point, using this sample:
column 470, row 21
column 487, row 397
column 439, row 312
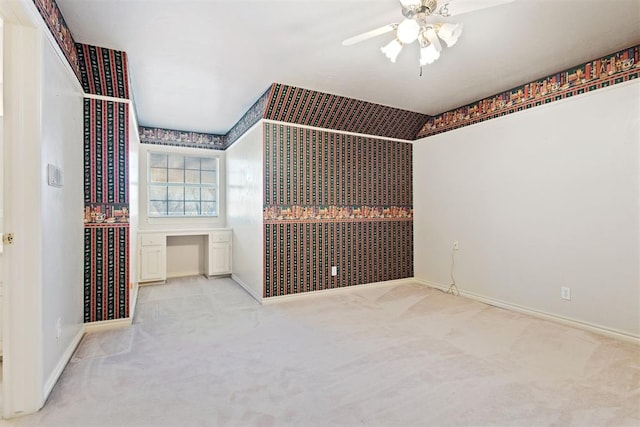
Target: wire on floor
column 453, row 289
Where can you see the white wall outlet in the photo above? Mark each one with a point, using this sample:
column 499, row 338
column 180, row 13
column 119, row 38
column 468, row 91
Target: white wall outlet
column 58, row 328
column 565, row 293
column 456, row 245
column 334, row 270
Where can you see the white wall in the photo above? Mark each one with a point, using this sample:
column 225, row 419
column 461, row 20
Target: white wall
column 245, row 182
column 539, row 199
column 62, row 226
column 186, row 256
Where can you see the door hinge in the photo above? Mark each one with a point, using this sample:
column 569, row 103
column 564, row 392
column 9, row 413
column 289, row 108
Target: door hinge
column 7, row 239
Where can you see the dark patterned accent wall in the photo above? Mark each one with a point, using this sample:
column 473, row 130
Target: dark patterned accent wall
column 307, row 107
column 609, row 70
column 106, row 267
column 332, row 199
column 106, row 212
column 106, row 152
column 52, row 16
column 103, row 71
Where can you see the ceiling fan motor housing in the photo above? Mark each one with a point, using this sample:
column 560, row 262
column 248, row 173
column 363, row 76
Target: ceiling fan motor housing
column 419, row 10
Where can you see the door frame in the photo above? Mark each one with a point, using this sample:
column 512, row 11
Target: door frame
column 22, row 385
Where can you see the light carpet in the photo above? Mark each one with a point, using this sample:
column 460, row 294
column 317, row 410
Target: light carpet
column 202, row 352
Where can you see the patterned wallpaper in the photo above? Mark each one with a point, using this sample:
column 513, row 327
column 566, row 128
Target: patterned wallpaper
column 106, row 152
column 177, row 138
column 103, row 71
column 316, row 169
column 106, row 212
column 106, row 269
column 593, row 75
column 307, row 107
column 335, row 200
column 52, row 16
column 299, row 254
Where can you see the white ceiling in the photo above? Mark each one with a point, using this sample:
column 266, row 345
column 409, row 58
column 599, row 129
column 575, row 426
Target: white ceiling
column 198, row 65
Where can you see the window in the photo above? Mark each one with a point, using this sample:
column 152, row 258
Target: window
column 182, row 185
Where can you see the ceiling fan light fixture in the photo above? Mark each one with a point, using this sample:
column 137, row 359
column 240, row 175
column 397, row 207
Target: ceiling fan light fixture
column 450, row 33
column 432, row 37
column 408, row 31
column 392, row 50
column 428, row 54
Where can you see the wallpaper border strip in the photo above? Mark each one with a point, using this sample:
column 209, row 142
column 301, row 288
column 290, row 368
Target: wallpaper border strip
column 611, row 69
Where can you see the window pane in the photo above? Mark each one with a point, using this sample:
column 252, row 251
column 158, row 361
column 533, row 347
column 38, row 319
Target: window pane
column 208, row 208
column 176, row 161
column 182, row 185
column 208, row 177
column 157, row 193
column 176, row 208
column 208, row 164
column 157, row 160
column 192, row 177
column 192, row 163
column 192, row 193
column 192, row 208
column 209, row 194
column 176, row 175
column 176, row 193
column 157, row 208
column 158, row 175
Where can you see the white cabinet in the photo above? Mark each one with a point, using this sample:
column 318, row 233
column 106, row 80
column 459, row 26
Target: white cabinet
column 220, row 252
column 153, row 257
column 152, row 265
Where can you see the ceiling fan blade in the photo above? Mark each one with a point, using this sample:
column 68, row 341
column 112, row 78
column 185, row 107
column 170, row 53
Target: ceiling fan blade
column 369, row 34
column 458, row 7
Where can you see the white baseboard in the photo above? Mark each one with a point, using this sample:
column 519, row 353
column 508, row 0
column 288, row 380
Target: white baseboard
column 324, row 292
column 106, row 325
column 601, row 330
column 66, row 356
column 247, row 288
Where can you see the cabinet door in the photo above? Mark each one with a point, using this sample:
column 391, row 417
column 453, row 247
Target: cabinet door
column 220, row 258
column 152, row 263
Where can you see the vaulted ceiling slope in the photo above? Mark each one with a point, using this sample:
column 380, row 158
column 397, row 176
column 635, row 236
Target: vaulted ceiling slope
column 199, row 65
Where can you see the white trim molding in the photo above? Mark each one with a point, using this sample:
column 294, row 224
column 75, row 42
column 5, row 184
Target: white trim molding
column 341, row 132
column 107, row 98
column 325, row 292
column 611, row 333
column 107, row 325
column 66, row 357
column 247, row 288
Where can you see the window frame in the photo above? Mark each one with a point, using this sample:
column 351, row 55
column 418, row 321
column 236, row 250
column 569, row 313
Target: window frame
column 184, row 153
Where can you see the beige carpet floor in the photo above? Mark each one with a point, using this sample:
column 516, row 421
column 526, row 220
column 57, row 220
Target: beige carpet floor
column 204, row 353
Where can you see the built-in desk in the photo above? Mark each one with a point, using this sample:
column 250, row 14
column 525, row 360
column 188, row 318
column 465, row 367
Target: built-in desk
column 153, row 252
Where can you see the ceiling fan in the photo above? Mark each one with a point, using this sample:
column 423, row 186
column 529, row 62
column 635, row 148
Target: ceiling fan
column 421, row 23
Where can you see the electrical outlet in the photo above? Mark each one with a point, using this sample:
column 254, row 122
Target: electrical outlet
column 334, row 270
column 58, row 328
column 456, row 245
column 565, row 293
